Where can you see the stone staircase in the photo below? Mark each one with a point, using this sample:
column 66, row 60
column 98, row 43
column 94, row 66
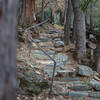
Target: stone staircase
column 69, row 81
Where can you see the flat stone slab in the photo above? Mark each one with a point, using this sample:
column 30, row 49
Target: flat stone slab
column 61, row 57
column 49, row 72
column 84, row 70
column 59, row 49
column 67, row 73
column 75, row 82
column 94, row 95
column 50, row 52
column 75, row 94
column 42, row 57
column 46, row 44
column 44, row 39
column 57, row 39
column 58, row 64
column 78, row 94
column 80, row 87
column 70, row 79
column 52, row 32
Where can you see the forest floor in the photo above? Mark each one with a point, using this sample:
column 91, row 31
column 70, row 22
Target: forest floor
column 68, row 84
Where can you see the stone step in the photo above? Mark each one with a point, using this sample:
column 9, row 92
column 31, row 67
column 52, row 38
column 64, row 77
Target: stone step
column 95, row 95
column 68, row 79
column 41, row 57
column 78, row 94
column 80, row 87
column 67, row 73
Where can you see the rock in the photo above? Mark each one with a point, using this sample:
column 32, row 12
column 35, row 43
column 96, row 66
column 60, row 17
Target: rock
column 95, row 94
column 42, row 57
column 44, row 39
column 84, row 70
column 95, row 84
column 59, row 49
column 59, row 44
column 74, row 94
column 69, row 79
column 68, row 63
column 32, row 83
column 38, row 52
column 67, row 73
column 49, row 71
column 57, row 39
column 52, row 32
column 58, row 64
column 92, row 45
column 80, row 87
column 91, row 36
column 46, row 44
column 78, row 94
column 61, row 58
column 37, row 41
column 76, row 82
column 50, row 52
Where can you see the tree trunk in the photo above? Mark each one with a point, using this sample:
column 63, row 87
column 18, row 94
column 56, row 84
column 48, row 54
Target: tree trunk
column 8, row 49
column 91, row 16
column 97, row 55
column 67, row 26
column 61, row 17
column 42, row 16
column 80, row 29
column 27, row 15
column 86, row 17
column 74, row 31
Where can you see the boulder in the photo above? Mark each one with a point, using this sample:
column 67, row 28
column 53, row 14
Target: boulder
column 95, row 84
column 84, row 70
column 32, row 83
column 59, row 44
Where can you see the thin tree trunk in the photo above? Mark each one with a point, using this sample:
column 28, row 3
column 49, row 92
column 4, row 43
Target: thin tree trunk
column 91, row 16
column 74, row 31
column 67, row 26
column 42, row 16
column 80, row 29
column 8, row 49
column 97, row 55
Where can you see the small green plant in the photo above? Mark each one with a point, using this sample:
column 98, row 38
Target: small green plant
column 84, row 4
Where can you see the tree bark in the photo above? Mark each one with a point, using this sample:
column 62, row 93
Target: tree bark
column 97, row 55
column 79, row 29
column 67, row 26
column 42, row 16
column 27, row 15
column 8, row 49
column 91, row 16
